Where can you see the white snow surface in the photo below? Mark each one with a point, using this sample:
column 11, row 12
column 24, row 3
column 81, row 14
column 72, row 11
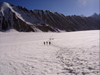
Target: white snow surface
column 70, row 53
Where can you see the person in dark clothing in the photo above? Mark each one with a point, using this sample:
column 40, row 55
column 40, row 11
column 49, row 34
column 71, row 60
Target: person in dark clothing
column 44, row 43
column 49, row 43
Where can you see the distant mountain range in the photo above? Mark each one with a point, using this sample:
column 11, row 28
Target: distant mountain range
column 24, row 20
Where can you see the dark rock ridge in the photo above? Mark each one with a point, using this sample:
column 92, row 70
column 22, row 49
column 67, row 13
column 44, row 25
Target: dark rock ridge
column 22, row 19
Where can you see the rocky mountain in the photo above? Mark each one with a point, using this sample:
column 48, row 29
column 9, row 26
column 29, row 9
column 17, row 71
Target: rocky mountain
column 22, row 19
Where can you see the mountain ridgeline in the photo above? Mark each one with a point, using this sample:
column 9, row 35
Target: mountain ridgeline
column 24, row 20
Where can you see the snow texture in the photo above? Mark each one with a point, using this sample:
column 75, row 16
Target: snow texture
column 73, row 53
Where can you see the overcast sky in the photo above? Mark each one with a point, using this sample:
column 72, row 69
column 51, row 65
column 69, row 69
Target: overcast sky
column 66, row 7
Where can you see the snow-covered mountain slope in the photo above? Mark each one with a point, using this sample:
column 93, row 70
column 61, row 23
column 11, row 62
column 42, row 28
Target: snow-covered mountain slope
column 68, row 23
column 73, row 53
column 19, row 18
column 22, row 19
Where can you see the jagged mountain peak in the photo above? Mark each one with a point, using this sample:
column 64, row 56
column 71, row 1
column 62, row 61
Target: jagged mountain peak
column 95, row 15
column 5, row 8
column 5, row 5
column 22, row 19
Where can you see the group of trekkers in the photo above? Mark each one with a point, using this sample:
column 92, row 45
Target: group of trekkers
column 48, row 42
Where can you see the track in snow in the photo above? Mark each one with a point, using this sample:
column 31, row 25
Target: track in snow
column 20, row 54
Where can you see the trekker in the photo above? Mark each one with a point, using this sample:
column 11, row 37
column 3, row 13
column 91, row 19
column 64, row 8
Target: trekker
column 44, row 43
column 49, row 43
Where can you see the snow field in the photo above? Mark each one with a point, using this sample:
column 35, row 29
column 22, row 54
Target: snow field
column 72, row 53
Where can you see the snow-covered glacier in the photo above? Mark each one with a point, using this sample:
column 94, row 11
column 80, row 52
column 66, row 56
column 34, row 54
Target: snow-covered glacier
column 70, row 53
